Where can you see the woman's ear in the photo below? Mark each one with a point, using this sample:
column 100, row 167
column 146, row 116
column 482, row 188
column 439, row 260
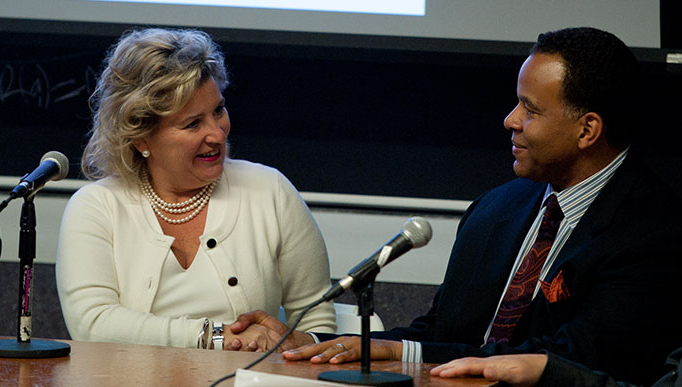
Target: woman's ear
column 140, row 145
column 592, row 130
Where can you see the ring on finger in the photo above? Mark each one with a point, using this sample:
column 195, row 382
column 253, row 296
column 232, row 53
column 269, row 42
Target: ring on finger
column 343, row 347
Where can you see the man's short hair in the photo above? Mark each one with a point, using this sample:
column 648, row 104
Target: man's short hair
column 602, row 76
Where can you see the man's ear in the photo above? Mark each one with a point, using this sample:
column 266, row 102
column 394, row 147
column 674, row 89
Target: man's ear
column 592, row 130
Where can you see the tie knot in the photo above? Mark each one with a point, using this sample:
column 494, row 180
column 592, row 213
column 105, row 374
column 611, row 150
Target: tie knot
column 553, row 210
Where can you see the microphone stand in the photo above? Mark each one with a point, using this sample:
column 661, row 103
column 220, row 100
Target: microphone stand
column 366, row 377
column 23, row 347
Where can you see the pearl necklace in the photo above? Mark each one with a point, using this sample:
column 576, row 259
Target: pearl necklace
column 196, row 202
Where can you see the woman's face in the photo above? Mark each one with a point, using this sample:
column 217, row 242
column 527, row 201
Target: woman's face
column 187, row 149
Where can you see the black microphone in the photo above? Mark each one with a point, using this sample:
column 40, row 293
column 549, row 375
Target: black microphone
column 53, row 166
column 416, row 232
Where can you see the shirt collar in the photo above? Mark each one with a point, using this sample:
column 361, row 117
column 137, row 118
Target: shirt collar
column 575, row 200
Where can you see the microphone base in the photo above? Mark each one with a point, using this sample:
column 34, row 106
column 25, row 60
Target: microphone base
column 372, row 378
column 33, row 349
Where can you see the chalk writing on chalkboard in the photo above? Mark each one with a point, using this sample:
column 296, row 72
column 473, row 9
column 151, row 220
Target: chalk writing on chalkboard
column 44, row 93
column 34, row 85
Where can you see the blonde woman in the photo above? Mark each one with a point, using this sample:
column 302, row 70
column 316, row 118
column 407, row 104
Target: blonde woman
column 173, row 239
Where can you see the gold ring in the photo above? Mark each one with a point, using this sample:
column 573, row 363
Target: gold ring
column 343, row 347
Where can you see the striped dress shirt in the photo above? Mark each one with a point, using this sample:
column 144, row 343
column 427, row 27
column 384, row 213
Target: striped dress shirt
column 574, row 202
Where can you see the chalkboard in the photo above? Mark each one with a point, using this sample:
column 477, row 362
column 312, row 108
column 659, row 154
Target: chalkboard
column 43, row 103
column 340, row 120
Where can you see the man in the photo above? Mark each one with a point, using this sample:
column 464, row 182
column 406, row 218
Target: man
column 547, row 369
column 607, row 287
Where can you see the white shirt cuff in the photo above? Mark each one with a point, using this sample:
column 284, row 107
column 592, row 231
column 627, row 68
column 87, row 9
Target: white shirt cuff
column 317, row 341
column 412, row 351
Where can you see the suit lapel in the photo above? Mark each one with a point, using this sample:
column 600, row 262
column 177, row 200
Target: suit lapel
column 598, row 216
column 482, row 275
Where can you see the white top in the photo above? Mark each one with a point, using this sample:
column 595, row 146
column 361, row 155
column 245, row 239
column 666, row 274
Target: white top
column 175, row 299
column 258, row 231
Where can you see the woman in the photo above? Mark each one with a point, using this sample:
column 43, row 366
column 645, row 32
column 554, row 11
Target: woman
column 174, row 238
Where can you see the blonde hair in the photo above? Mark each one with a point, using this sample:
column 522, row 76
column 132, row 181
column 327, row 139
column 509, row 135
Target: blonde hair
column 147, row 74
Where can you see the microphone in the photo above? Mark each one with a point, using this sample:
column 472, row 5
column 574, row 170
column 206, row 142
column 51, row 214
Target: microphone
column 416, row 233
column 53, row 166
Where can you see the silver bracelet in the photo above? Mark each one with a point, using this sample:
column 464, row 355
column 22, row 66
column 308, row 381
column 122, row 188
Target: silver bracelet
column 217, row 337
column 202, row 341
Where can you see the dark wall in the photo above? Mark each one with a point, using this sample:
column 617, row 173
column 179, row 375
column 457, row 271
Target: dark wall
column 415, row 301
column 671, row 29
column 411, row 117
column 46, row 313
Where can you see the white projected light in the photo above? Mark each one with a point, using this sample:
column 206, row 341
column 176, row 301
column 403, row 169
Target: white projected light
column 389, row 7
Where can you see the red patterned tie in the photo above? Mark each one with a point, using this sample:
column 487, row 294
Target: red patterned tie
column 519, row 294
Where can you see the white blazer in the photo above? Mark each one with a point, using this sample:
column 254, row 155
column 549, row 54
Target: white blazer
column 258, row 230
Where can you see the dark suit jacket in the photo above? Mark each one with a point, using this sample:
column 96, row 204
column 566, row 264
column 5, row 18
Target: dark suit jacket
column 560, row 372
column 622, row 266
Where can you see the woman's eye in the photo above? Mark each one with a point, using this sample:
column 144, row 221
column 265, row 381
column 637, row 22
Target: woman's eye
column 192, row 124
column 219, row 110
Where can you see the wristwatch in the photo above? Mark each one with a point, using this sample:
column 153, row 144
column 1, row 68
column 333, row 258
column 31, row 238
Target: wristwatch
column 217, row 337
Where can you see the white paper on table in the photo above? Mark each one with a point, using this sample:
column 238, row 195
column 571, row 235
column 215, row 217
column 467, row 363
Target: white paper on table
column 247, row 378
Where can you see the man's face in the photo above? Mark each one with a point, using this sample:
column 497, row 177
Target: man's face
column 544, row 134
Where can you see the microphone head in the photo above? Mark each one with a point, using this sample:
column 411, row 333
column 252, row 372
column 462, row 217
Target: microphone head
column 61, row 161
column 418, row 231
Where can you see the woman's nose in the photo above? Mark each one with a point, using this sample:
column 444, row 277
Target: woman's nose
column 219, row 129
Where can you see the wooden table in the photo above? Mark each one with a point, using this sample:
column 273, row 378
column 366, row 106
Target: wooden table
column 106, row 364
